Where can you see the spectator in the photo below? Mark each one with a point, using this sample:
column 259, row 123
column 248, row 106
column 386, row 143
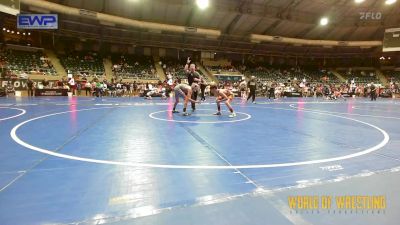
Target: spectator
column 45, row 83
column 10, row 89
column 29, row 84
column 72, row 86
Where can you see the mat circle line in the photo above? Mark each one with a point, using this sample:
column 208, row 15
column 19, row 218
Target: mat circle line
column 151, row 115
column 14, row 136
column 23, row 111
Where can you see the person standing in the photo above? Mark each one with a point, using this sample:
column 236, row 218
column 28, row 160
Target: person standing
column 79, row 88
column 194, row 79
column 45, row 83
column 203, row 86
column 373, row 92
column 29, row 84
column 353, row 87
column 72, row 86
column 252, row 86
column 271, row 91
column 88, row 88
column 243, row 89
column 10, row 89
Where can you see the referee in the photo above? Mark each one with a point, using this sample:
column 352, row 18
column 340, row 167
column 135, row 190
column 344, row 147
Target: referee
column 373, row 92
column 252, row 86
column 194, row 79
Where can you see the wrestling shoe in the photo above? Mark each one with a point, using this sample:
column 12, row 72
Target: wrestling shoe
column 185, row 114
column 174, row 111
column 217, row 113
column 232, row 115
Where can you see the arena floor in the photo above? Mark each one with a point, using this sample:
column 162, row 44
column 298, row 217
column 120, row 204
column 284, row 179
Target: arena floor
column 131, row 161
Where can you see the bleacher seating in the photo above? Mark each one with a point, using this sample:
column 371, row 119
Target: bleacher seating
column 133, row 66
column 176, row 68
column 360, row 77
column 266, row 75
column 316, row 76
column 392, row 76
column 227, row 69
column 26, row 62
column 284, row 75
column 82, row 63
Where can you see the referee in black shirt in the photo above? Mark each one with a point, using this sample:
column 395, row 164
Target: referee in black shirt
column 194, row 79
column 373, row 92
column 251, row 84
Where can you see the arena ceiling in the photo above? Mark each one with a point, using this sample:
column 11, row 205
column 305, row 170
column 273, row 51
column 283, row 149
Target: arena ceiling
column 237, row 19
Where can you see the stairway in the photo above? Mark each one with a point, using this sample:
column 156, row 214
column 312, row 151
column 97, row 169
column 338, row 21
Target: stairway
column 381, row 77
column 56, row 63
column 159, row 70
column 108, row 68
column 206, row 73
column 339, row 76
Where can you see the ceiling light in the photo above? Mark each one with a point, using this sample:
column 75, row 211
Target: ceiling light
column 389, row 2
column 202, row 4
column 324, row 21
column 29, row 33
column 4, row 28
column 359, row 1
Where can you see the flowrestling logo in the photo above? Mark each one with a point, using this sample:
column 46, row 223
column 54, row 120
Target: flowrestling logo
column 370, row 15
column 37, row 21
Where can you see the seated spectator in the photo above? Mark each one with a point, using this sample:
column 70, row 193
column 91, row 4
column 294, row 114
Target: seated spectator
column 45, row 83
column 10, row 89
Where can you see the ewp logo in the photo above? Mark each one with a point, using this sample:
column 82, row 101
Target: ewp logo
column 37, row 21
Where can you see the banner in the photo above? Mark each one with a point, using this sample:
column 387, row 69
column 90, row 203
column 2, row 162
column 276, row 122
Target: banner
column 20, row 84
column 37, row 21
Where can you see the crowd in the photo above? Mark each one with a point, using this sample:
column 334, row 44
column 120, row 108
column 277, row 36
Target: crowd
column 268, row 81
column 222, row 69
column 131, row 66
column 20, row 64
column 173, row 68
column 294, row 87
column 262, row 88
column 82, row 63
column 113, row 88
